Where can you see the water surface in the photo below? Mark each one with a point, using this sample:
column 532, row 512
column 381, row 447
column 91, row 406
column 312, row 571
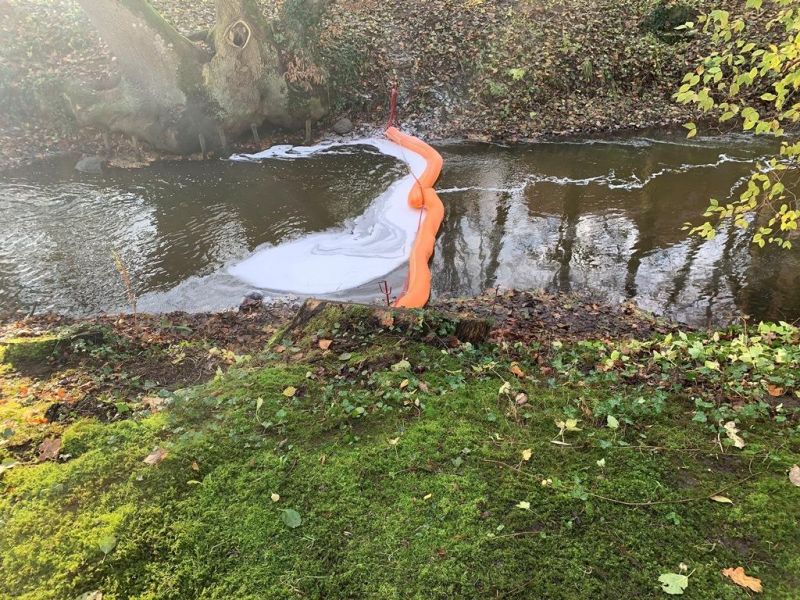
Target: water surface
column 602, row 216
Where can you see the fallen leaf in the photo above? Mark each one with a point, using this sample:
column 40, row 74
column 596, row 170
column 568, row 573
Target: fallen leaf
column 739, row 578
column 155, row 457
column 280, row 349
column 49, row 449
column 394, row 441
column 733, row 434
column 774, row 390
column 274, row 497
column 521, row 398
column 601, row 463
column 195, row 466
column 427, row 496
column 722, row 499
column 404, row 384
column 386, row 319
column 107, row 544
column 516, row 370
column 526, row 454
column 402, row 365
column 345, row 356
column 612, row 422
column 291, row 518
column 673, row 583
column 794, row 475
column 325, row 344
column 524, row 505
column 290, row 391
column 505, row 388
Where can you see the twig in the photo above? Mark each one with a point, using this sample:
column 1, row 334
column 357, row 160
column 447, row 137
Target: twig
column 678, row 501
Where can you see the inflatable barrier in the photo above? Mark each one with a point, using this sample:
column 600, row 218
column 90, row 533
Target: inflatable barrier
column 422, row 197
column 399, row 226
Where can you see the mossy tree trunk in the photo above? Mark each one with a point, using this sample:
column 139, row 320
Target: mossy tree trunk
column 179, row 98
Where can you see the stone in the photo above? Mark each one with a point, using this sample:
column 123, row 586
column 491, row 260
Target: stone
column 251, row 301
column 93, row 165
column 343, row 126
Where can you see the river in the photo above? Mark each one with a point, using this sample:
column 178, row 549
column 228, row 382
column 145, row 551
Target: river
column 599, row 216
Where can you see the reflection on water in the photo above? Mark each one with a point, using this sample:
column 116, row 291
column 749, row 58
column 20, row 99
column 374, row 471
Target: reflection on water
column 601, row 216
column 169, row 222
column 606, row 218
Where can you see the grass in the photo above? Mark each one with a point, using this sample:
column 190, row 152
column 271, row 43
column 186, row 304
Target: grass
column 408, row 480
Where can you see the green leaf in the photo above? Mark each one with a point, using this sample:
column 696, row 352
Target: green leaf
column 612, row 422
column 291, row 518
column 107, row 544
column 402, row 365
column 673, row 583
column 345, row 356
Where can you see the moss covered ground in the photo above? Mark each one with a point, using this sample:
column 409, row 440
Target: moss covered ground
column 361, row 457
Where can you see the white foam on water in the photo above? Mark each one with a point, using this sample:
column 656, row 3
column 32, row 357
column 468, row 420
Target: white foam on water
column 610, row 180
column 376, row 243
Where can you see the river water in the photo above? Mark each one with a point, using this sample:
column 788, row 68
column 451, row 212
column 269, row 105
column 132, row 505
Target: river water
column 601, row 216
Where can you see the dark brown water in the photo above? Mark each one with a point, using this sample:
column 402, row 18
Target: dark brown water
column 600, row 216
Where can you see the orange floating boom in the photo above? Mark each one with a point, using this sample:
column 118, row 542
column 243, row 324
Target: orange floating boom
column 421, row 196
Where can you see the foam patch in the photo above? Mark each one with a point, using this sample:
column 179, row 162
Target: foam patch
column 376, row 243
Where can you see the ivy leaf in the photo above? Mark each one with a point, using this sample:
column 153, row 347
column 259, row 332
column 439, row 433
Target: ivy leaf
column 291, row 518
column 673, row 583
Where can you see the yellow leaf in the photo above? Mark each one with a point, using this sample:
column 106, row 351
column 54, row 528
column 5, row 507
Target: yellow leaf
column 739, row 578
column 524, row 505
column 733, row 434
column 722, row 499
column 394, row 441
column 404, row 384
column 516, row 370
column 274, row 497
column 794, row 475
column 427, row 496
column 290, row 391
column 526, row 454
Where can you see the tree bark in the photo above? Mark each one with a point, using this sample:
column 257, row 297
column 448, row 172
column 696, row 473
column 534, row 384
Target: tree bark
column 176, row 97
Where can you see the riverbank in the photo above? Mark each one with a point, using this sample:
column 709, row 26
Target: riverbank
column 483, row 71
column 567, row 450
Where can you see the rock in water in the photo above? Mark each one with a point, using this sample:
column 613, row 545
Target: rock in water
column 251, row 301
column 91, row 164
column 343, row 126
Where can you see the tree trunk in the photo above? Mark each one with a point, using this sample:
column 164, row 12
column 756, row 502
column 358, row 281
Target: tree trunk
column 179, row 99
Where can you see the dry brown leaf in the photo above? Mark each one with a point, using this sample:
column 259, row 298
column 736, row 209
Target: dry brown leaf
column 325, row 344
column 49, row 449
column 775, row 391
column 516, row 370
column 155, row 457
column 794, row 475
column 386, row 318
column 739, row 578
column 195, row 466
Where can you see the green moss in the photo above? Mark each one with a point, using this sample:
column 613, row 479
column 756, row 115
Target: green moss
column 415, row 495
column 24, row 351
